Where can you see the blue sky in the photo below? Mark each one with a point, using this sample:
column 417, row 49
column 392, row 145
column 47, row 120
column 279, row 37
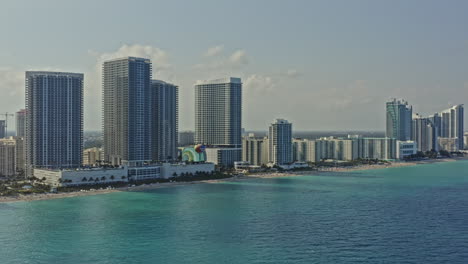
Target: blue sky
column 323, row 65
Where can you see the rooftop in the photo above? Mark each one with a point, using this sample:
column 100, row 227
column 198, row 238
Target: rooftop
column 220, row 81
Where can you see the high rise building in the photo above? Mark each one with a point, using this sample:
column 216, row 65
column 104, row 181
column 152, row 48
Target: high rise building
column 218, row 112
column 3, row 129
column 280, row 142
column 21, row 123
column 399, row 116
column 165, row 129
column 424, row 133
column 376, row 148
column 330, row 148
column 218, row 118
column 20, row 155
column 436, row 122
column 452, row 125
column 127, row 110
column 255, row 150
column 7, row 157
column 54, row 120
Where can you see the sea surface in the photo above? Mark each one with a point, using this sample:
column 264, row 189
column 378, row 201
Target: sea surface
column 413, row 214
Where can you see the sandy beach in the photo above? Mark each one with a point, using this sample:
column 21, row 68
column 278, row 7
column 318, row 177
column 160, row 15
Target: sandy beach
column 48, row 196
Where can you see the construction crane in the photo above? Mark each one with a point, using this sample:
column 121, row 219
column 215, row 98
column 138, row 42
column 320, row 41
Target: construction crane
column 6, row 115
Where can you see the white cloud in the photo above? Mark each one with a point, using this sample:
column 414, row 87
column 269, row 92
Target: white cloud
column 355, row 93
column 12, row 93
column 158, row 57
column 217, row 64
column 214, row 51
column 239, row 57
column 259, row 84
column 11, row 84
column 293, row 73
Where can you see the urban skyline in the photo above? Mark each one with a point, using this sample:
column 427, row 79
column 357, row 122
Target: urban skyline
column 333, row 78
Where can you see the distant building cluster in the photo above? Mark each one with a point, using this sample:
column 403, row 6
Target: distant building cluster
column 406, row 134
column 141, row 138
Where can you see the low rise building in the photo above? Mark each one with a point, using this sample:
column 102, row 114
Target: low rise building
column 169, row 170
column 74, row 177
column 92, row 156
column 143, row 171
column 448, row 144
column 223, row 157
column 186, row 138
column 405, row 149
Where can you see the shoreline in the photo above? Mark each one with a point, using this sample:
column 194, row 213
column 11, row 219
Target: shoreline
column 50, row 196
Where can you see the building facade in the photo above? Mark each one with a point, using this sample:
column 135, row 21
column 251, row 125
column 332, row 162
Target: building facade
column 405, row 149
column 21, row 123
column 218, row 112
column 165, row 122
column 54, row 120
column 76, row 177
column 465, row 140
column 127, row 119
column 280, row 142
column 255, row 150
column 452, row 124
column 218, row 119
column 376, row 148
column 223, row 157
column 8, row 157
column 93, row 156
column 186, row 138
column 424, row 134
column 3, row 132
column 399, row 117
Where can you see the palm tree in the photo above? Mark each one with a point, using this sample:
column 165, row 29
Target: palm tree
column 84, row 179
column 112, row 177
column 103, row 178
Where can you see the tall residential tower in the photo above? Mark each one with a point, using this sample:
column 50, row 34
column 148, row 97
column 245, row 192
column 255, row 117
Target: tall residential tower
column 452, row 125
column 218, row 119
column 280, row 142
column 165, row 129
column 21, row 123
column 399, row 118
column 3, row 132
column 54, row 123
column 127, row 110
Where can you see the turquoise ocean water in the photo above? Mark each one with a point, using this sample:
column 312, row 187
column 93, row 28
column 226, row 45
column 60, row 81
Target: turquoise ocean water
column 401, row 215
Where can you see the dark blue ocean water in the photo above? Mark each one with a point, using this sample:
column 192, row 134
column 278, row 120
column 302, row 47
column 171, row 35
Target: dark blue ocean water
column 402, row 215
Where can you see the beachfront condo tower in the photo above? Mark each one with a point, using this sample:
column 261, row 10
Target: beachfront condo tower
column 218, row 117
column 165, row 124
column 127, row 118
column 399, row 120
column 280, row 142
column 54, row 120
